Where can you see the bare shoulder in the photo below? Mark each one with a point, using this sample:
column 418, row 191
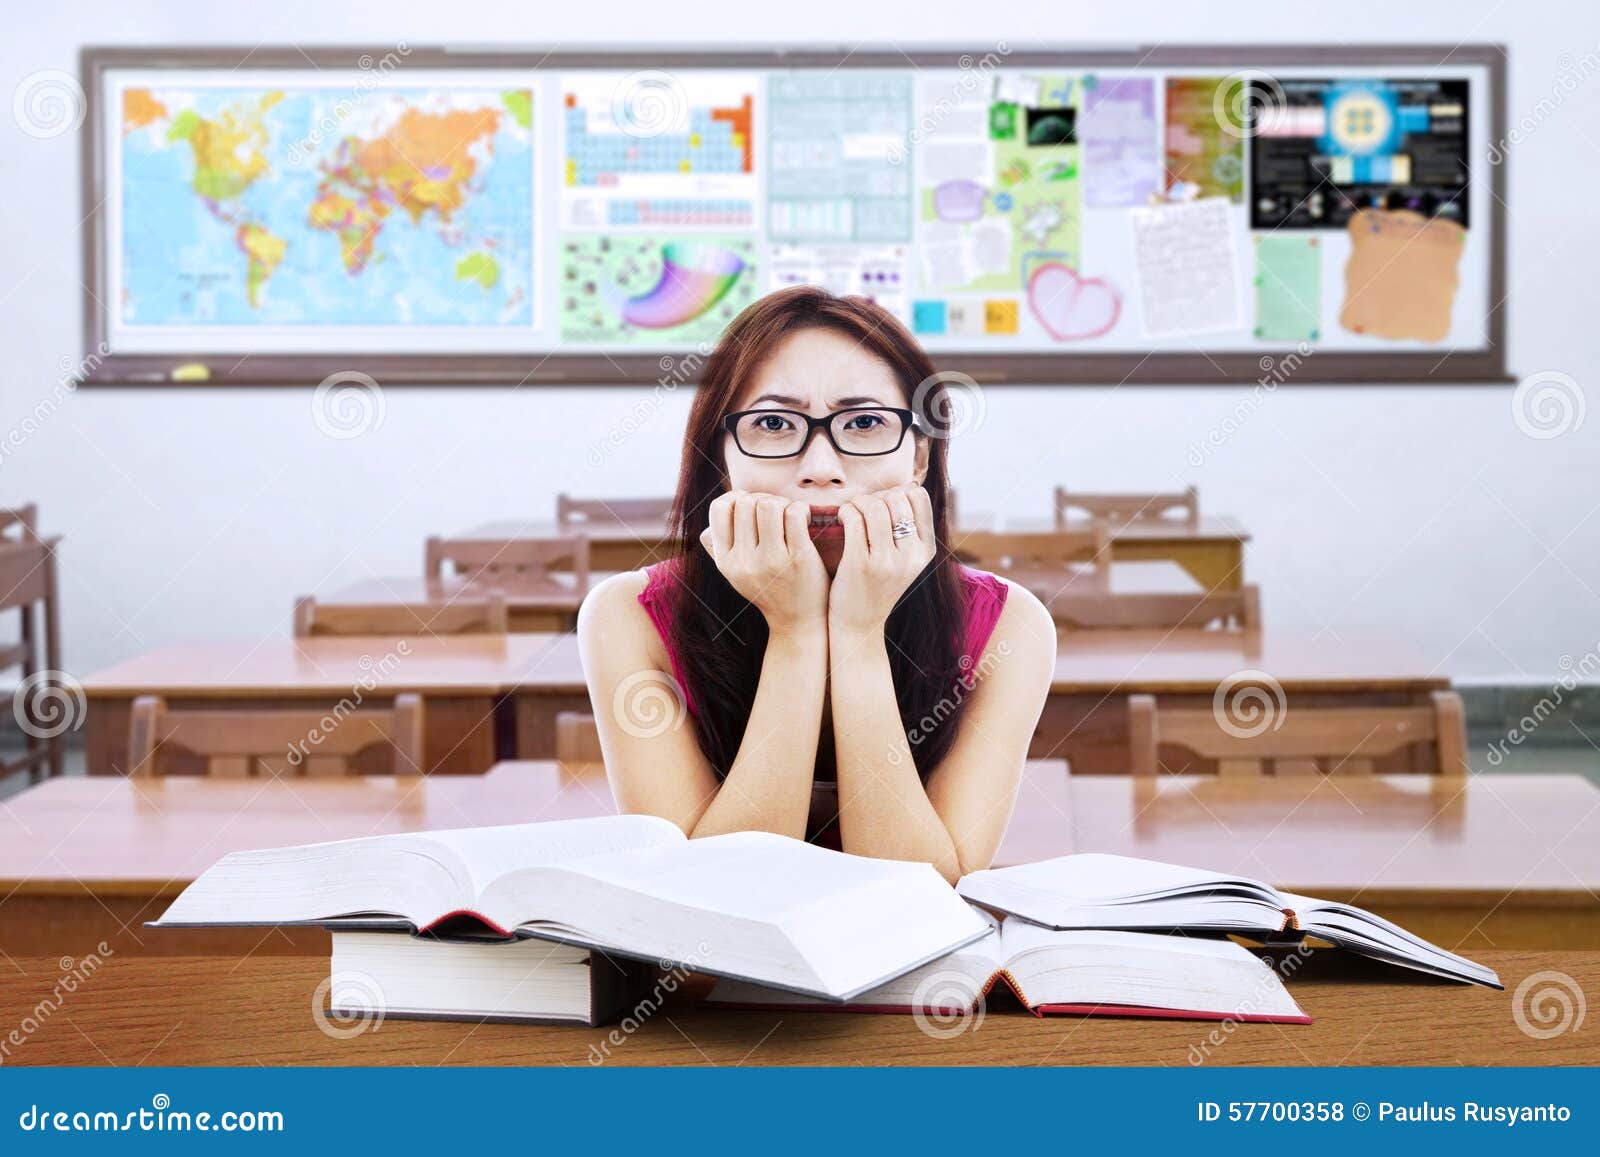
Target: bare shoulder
column 612, row 616
column 1025, row 623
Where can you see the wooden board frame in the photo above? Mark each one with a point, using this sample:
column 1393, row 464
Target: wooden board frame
column 100, row 366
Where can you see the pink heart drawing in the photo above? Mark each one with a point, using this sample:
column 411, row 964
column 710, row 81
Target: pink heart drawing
column 1072, row 307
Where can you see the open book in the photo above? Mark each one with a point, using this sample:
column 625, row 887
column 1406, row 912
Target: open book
column 1097, row 972
column 753, row 905
column 1097, row 890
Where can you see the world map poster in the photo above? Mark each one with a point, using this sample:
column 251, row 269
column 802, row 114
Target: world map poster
column 289, row 207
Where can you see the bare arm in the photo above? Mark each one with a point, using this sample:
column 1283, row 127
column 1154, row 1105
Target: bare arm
column 957, row 821
column 658, row 768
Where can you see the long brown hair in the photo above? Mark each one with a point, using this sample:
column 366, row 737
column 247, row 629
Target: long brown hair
column 720, row 636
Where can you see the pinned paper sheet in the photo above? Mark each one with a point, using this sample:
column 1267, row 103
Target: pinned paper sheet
column 1184, row 263
column 1401, row 279
column 1288, row 287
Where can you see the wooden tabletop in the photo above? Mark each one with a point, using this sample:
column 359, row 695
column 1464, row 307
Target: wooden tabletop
column 601, row 530
column 1122, row 577
column 1087, row 661
column 278, row 666
column 1484, row 845
column 257, row 1011
column 556, row 592
column 1473, row 837
column 1120, row 662
column 1217, row 528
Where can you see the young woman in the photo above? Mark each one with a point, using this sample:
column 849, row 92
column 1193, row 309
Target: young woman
column 815, row 662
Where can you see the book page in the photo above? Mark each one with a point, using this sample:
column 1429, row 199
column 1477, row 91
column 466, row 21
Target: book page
column 1089, row 878
column 491, row 852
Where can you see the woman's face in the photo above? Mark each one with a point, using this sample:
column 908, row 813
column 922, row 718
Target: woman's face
column 816, row 371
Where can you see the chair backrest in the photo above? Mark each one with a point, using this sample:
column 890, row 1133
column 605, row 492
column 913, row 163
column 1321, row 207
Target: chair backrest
column 1290, row 740
column 290, row 743
column 577, row 738
column 1007, row 552
column 1117, row 509
column 25, row 520
column 1229, row 610
column 479, row 615
column 510, row 560
column 572, row 511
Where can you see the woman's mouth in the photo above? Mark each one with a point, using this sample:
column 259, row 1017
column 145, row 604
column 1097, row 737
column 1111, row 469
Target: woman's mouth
column 825, row 523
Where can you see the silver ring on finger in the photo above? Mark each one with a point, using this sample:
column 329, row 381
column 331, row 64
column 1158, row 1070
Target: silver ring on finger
column 903, row 528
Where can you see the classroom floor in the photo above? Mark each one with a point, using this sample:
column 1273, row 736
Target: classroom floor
column 1551, row 759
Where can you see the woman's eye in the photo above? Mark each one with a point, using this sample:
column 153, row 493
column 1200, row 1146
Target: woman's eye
column 780, row 423
column 868, row 418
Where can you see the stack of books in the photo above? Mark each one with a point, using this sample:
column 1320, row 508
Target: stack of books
column 570, row 921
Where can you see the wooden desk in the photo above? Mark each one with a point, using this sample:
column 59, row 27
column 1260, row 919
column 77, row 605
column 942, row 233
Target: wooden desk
column 1085, row 719
column 460, row 679
column 1508, row 861
column 547, row 606
column 1210, row 549
column 228, row 1011
column 613, row 545
column 28, row 579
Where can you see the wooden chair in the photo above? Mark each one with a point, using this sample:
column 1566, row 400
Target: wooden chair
column 294, row 742
column 28, row 581
column 578, row 512
column 577, row 738
column 1118, row 509
column 486, row 614
column 1300, row 740
column 1228, row 610
column 510, row 562
column 1060, row 550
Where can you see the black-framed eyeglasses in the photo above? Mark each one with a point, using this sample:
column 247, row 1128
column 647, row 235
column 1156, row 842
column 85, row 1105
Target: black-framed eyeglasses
column 860, row 431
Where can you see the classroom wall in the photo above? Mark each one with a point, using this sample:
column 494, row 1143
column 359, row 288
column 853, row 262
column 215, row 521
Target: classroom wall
column 1420, row 512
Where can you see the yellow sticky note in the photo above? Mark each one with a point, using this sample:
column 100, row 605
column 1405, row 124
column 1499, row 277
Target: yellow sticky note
column 191, row 372
column 1000, row 317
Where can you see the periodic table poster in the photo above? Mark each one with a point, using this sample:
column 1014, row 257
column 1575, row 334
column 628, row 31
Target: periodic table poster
column 1007, row 208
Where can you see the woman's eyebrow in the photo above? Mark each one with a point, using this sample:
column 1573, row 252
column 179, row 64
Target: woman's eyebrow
column 785, row 400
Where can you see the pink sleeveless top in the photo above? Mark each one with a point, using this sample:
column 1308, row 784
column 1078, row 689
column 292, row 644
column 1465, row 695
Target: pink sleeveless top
column 985, row 598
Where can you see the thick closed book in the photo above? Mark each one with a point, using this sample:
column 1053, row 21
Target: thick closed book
column 1098, row 890
column 396, row 974
column 752, row 905
column 1094, row 972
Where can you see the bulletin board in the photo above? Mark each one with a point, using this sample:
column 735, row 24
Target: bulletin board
column 1191, row 215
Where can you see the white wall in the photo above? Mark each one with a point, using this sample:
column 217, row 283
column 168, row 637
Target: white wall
column 1419, row 512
